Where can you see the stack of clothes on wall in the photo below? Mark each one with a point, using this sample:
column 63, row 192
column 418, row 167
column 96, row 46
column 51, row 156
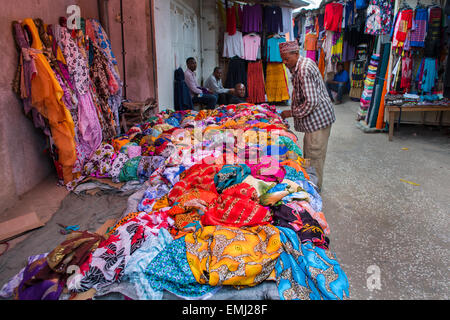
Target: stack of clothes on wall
column 226, row 205
column 252, row 33
column 70, row 86
column 337, row 31
column 420, row 55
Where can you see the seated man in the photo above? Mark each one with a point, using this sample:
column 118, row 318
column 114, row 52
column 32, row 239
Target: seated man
column 339, row 84
column 214, row 84
column 198, row 94
column 238, row 95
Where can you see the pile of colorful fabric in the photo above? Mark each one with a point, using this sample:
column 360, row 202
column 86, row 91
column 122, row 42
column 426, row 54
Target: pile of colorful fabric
column 227, row 204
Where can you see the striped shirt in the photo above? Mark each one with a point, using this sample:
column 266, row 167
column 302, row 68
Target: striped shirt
column 311, row 105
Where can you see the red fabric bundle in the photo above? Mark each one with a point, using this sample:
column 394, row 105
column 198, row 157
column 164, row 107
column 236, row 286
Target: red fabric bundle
column 237, row 206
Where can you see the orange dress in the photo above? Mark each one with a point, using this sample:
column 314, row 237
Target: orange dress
column 46, row 97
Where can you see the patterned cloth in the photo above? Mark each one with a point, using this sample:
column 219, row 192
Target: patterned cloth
column 170, row 271
column 306, row 272
column 311, row 104
column 237, row 206
column 219, row 255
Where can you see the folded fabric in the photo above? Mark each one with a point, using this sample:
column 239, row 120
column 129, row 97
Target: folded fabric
column 307, row 228
column 306, row 272
column 237, row 206
column 129, row 170
column 106, row 264
column 147, row 166
column 219, row 255
column 134, row 151
column 229, row 175
column 268, row 170
column 170, row 271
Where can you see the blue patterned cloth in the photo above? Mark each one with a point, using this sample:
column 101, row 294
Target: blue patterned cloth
column 170, row 271
column 306, row 272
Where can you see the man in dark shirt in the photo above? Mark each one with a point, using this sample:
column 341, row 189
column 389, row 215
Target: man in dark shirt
column 238, row 95
column 339, row 84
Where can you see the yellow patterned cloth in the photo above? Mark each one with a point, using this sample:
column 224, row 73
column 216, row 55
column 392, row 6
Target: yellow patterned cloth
column 276, row 82
column 220, row 255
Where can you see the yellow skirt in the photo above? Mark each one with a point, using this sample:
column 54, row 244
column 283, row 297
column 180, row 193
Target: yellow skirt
column 276, row 82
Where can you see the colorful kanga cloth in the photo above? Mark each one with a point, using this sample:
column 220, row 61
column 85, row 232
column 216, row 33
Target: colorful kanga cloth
column 307, row 228
column 219, row 255
column 237, row 206
column 230, row 175
column 170, row 271
column 106, row 264
column 306, row 272
column 101, row 162
column 129, row 170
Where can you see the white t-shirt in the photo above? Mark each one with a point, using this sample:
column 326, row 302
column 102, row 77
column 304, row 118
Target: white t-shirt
column 233, row 45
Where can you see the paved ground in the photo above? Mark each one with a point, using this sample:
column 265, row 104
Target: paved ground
column 378, row 222
column 380, row 226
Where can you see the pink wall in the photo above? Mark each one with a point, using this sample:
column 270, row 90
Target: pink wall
column 138, row 46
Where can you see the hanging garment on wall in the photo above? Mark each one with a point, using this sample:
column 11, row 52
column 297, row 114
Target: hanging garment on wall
column 333, row 16
column 379, row 17
column 276, row 82
column 255, row 83
column 406, row 72
column 252, row 18
column 357, row 81
column 46, row 97
column 273, row 49
column 288, row 26
column 252, row 44
column 231, row 21
column 432, row 39
column 419, row 30
column 237, row 73
column 233, row 45
column 273, row 19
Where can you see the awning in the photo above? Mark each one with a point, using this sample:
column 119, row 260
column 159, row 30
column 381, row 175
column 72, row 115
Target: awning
column 295, row 4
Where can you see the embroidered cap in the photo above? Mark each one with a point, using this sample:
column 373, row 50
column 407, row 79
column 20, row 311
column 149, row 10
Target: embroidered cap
column 289, row 46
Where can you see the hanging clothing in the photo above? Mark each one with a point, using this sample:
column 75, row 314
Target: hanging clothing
column 419, row 30
column 252, row 44
column 288, row 26
column 333, row 16
column 233, row 45
column 236, row 73
column 273, row 49
column 252, row 18
column 273, row 19
column 406, row 73
column 276, row 82
column 379, row 17
column 46, row 97
column 231, row 21
column 255, row 85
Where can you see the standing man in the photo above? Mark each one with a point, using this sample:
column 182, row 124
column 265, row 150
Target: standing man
column 339, row 84
column 311, row 106
column 198, row 94
column 214, row 84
